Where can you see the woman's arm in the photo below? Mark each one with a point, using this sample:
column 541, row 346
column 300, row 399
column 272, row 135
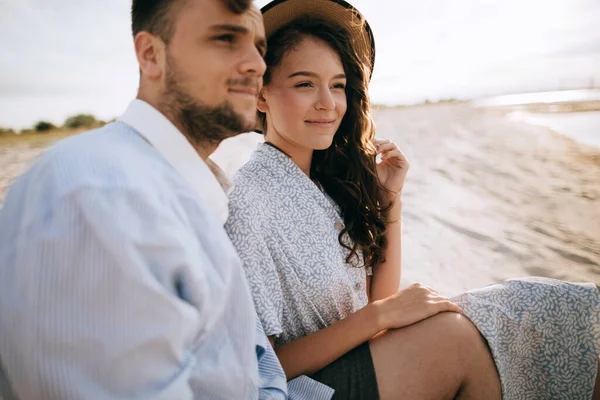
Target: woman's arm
column 311, row 353
column 391, row 172
column 386, row 276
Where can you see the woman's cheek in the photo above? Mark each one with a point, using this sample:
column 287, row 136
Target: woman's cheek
column 294, row 98
column 341, row 104
column 295, row 104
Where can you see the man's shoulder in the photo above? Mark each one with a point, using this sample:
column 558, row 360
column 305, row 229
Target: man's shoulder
column 112, row 165
column 111, row 158
column 115, row 142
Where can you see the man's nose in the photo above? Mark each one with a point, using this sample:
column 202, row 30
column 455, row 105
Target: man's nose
column 253, row 63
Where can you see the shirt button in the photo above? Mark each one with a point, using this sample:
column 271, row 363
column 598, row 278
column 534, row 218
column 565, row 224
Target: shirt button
column 358, row 286
column 338, row 225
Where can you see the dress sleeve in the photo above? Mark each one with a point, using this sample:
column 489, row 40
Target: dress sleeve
column 246, row 229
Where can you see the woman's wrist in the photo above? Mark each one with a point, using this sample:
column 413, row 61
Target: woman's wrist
column 395, row 212
column 389, row 197
column 376, row 314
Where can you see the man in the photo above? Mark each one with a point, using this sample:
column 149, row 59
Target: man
column 117, row 279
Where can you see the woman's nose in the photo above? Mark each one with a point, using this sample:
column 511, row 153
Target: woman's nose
column 325, row 101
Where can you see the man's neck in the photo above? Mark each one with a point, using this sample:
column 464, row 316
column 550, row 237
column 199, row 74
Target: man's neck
column 204, row 150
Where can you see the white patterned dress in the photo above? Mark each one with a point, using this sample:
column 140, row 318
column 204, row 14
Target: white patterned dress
column 544, row 334
column 286, row 233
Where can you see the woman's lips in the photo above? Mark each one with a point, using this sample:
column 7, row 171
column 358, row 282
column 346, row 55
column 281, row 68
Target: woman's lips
column 321, row 122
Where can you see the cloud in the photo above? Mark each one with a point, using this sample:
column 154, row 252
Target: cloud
column 82, row 50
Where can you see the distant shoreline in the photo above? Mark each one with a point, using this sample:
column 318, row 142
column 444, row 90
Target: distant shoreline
column 560, row 107
column 552, row 108
column 49, row 136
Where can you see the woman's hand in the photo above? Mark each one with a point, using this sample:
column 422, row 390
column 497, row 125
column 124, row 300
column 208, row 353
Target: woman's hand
column 411, row 305
column 392, row 169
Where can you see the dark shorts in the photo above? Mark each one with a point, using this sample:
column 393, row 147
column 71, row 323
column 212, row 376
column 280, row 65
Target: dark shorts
column 352, row 375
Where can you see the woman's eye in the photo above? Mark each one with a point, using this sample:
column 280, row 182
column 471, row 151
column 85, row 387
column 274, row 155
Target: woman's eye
column 339, row 86
column 304, row 84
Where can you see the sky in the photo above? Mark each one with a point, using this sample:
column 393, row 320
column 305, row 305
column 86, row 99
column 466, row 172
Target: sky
column 64, row 57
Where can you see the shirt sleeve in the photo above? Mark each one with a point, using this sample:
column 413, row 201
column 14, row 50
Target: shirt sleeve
column 272, row 384
column 271, row 378
column 245, row 229
column 92, row 310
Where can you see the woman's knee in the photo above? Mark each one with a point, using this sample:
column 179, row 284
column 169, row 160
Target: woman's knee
column 448, row 333
column 451, row 336
column 446, row 338
column 453, row 326
column 434, row 347
column 460, row 331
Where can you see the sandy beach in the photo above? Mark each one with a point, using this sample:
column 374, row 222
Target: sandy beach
column 487, row 198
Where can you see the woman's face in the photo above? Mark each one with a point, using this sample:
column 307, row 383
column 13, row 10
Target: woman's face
column 306, row 98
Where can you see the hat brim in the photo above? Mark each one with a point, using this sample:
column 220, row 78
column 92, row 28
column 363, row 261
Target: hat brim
column 280, row 13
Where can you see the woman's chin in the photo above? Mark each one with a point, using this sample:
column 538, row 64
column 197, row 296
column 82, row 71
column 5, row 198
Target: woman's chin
column 322, row 143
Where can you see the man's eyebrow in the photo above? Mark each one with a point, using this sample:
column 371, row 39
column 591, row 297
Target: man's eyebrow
column 230, row 28
column 261, row 43
column 313, row 75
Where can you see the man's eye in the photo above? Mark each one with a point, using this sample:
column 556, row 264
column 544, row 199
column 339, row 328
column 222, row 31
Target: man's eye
column 226, row 38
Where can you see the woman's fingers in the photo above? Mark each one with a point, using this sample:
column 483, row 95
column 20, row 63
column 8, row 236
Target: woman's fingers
column 447, row 305
column 396, row 153
column 379, row 142
column 413, row 304
column 386, row 146
column 390, row 151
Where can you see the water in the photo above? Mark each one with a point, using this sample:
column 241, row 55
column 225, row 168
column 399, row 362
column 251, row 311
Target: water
column 542, row 97
column 583, row 127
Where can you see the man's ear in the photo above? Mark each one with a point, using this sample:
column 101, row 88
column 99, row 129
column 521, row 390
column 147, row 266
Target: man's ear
column 150, row 53
column 262, row 105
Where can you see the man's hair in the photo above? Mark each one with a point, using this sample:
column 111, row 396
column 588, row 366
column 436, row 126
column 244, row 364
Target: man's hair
column 157, row 16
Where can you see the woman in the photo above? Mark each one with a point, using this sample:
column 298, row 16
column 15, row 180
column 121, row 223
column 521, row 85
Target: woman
column 316, row 222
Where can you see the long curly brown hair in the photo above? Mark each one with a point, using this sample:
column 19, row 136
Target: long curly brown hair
column 347, row 169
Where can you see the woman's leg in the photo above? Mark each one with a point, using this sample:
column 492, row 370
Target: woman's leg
column 442, row 357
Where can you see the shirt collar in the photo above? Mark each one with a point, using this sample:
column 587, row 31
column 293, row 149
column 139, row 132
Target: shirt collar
column 207, row 179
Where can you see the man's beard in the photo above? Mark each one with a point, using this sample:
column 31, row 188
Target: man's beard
column 200, row 123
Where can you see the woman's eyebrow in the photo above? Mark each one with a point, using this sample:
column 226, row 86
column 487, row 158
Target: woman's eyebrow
column 313, row 75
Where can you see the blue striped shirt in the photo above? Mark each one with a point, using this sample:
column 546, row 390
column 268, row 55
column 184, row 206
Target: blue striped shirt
column 117, row 279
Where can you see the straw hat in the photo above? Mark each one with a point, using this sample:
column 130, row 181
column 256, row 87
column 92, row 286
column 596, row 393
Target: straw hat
column 280, row 13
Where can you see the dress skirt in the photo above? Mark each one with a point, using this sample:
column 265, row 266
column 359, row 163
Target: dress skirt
column 544, row 335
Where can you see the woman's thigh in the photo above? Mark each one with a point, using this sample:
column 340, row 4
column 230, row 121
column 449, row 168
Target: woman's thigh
column 433, row 359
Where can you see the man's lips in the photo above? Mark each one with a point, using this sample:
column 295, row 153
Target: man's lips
column 248, row 91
